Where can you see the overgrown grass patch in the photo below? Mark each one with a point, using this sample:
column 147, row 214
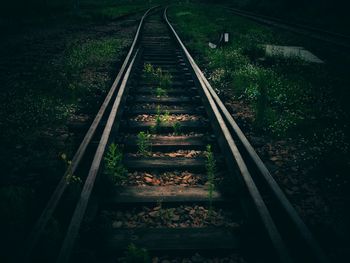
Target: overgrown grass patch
column 60, row 88
column 285, row 94
column 80, row 59
column 36, row 101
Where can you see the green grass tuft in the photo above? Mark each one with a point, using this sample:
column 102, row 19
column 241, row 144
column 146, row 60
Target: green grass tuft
column 113, row 164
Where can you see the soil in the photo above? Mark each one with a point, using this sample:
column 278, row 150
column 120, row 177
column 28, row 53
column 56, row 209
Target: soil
column 313, row 186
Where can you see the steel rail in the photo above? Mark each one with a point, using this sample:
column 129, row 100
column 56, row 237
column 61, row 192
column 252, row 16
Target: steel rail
column 260, row 206
column 274, row 188
column 51, row 206
column 227, row 127
column 80, row 209
column 280, row 197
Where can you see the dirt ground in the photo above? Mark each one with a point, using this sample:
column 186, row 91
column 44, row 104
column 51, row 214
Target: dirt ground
column 320, row 198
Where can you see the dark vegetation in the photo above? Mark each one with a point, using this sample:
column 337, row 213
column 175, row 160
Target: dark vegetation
column 295, row 113
column 40, row 10
column 57, row 63
column 58, row 59
column 317, row 13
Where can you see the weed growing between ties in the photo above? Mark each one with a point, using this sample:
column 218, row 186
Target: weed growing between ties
column 70, row 178
column 165, row 79
column 73, row 182
column 113, row 164
column 177, row 128
column 143, row 143
column 161, row 79
column 149, row 72
column 160, row 92
column 160, row 118
column 137, row 255
column 166, row 215
column 210, row 166
column 166, row 116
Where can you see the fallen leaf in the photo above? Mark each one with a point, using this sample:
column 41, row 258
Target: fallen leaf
column 148, row 180
column 186, row 177
column 156, row 182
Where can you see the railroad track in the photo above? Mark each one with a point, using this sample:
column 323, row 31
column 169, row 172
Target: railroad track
column 331, row 38
column 164, row 128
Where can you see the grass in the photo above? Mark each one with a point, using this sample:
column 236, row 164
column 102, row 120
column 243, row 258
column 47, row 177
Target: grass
column 137, row 255
column 284, row 100
column 159, row 77
column 35, row 106
column 143, row 143
column 61, row 65
column 284, row 94
column 80, row 57
column 160, row 92
column 160, row 118
column 113, row 164
column 177, row 128
column 71, row 179
column 165, row 214
column 149, row 72
column 51, row 99
column 210, row 165
column 162, row 80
